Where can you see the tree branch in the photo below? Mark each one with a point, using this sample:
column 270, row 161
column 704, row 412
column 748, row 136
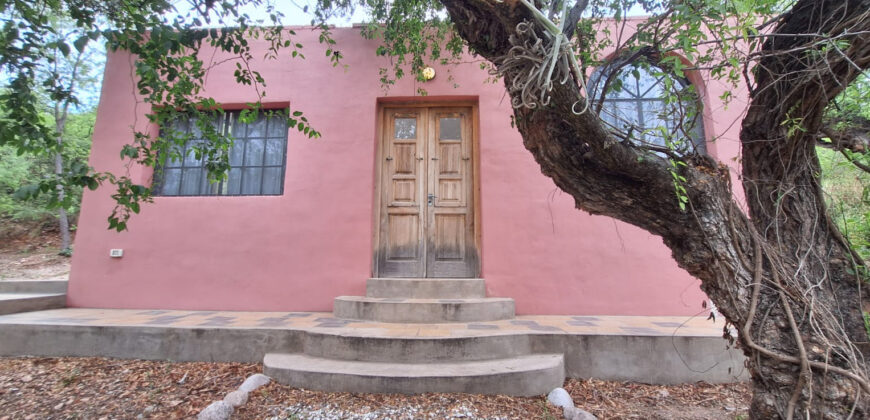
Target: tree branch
column 854, row 140
column 573, row 17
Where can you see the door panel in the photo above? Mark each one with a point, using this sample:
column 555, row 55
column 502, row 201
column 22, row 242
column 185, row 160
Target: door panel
column 450, row 229
column 427, row 218
column 401, row 251
column 403, row 237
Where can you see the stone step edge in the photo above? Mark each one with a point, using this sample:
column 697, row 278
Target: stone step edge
column 443, row 301
column 11, row 303
column 423, row 311
column 528, row 375
column 33, row 286
column 424, row 288
column 429, row 278
column 369, row 348
column 26, row 295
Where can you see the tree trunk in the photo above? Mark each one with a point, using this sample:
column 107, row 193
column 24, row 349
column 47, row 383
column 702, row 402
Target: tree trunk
column 62, row 218
column 782, row 274
column 786, row 205
column 61, row 111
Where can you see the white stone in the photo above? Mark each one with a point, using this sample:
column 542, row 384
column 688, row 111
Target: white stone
column 217, row 410
column 560, row 398
column 236, row 398
column 254, row 381
column 573, row 413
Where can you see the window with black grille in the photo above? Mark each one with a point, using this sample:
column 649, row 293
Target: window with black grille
column 257, row 158
column 631, row 95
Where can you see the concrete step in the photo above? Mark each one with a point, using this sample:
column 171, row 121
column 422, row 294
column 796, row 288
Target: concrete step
column 367, row 348
column 11, row 303
column 518, row 376
column 33, row 286
column 423, row 310
column 420, row 288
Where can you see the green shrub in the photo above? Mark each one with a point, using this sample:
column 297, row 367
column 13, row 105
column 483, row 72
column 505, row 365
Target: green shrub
column 847, row 190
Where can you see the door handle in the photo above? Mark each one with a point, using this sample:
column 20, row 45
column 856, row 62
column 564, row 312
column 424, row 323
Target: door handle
column 430, row 199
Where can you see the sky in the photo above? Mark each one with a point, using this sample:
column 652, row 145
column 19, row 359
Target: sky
column 294, row 11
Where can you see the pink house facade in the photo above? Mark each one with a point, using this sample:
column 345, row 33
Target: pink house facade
column 445, row 173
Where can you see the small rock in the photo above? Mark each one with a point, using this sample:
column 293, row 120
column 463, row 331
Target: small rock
column 217, row 410
column 59, row 406
column 150, row 409
column 560, row 398
column 663, row 393
column 26, row 378
column 236, row 398
column 574, row 413
column 254, row 381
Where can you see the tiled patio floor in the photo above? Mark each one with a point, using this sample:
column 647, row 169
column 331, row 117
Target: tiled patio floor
column 681, row 326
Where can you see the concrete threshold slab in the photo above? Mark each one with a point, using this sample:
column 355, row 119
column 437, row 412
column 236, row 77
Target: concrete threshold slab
column 645, row 349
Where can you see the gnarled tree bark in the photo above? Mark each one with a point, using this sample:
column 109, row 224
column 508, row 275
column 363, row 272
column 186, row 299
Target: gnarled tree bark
column 781, row 274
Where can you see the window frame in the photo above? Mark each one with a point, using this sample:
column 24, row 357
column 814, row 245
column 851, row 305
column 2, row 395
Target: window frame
column 228, row 122
column 624, row 64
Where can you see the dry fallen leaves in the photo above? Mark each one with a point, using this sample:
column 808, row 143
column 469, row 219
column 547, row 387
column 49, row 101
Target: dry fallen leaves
column 95, row 388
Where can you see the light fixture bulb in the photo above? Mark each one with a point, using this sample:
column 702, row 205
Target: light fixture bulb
column 428, row 73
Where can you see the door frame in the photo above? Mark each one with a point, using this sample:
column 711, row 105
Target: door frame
column 377, row 206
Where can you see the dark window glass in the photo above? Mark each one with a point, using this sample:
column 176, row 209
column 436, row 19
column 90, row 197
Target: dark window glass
column 450, row 129
column 632, row 97
column 257, row 159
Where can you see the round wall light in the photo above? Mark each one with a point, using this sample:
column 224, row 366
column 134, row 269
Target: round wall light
column 428, row 73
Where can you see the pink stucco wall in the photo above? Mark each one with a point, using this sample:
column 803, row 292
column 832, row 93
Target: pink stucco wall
column 300, row 250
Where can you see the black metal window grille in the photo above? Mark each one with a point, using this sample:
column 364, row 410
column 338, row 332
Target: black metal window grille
column 258, row 158
column 639, row 107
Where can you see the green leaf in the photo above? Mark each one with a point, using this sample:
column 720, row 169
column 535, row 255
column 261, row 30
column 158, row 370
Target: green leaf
column 81, row 43
column 64, row 48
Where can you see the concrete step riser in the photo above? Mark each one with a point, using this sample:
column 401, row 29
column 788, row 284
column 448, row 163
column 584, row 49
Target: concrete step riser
column 39, row 286
column 426, row 288
column 420, row 350
column 423, row 312
column 28, row 304
column 505, row 377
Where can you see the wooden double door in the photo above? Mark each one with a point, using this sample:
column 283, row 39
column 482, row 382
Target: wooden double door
column 427, row 194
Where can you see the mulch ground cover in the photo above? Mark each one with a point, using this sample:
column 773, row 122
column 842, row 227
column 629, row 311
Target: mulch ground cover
column 101, row 388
